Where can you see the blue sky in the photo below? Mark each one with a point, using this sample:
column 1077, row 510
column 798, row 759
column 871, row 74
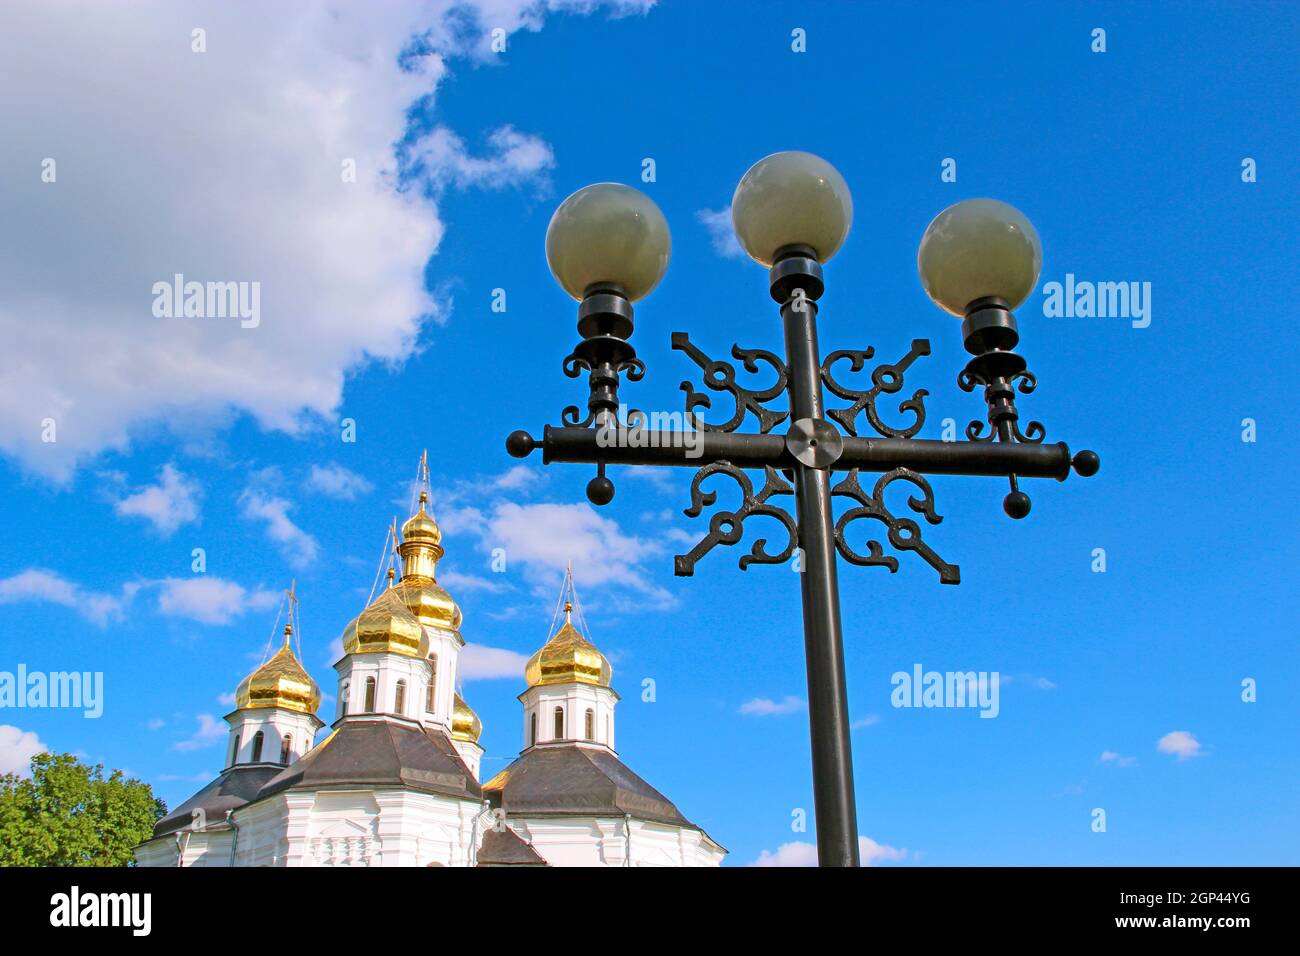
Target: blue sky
column 377, row 307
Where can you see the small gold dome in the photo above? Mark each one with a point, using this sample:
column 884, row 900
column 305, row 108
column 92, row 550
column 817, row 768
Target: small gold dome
column 280, row 682
column 568, row 657
column 429, row 602
column 421, row 526
column 465, row 724
column 386, row 626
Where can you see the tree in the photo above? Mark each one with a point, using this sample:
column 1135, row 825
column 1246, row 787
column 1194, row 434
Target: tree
column 69, row 814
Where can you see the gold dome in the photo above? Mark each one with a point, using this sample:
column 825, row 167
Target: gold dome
column 568, row 657
column 419, row 590
column 421, row 526
column 386, row 626
column 465, row 724
column 429, row 602
column 280, row 682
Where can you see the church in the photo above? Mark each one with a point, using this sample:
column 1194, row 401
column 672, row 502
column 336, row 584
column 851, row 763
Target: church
column 395, row 782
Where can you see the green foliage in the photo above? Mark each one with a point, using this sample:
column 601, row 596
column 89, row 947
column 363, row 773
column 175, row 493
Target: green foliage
column 69, row 814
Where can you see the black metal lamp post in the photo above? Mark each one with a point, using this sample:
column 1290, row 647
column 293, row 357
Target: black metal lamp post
column 608, row 246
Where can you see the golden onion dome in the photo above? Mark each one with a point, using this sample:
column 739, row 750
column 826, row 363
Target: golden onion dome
column 280, row 682
column 386, row 626
column 465, row 724
column 568, row 657
column 429, row 602
column 421, row 526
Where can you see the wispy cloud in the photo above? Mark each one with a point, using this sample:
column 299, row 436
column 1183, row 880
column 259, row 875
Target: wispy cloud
column 210, row 600
column 335, row 481
column 1117, row 759
column 210, row 730
column 299, row 547
column 40, row 585
column 766, row 707
column 169, row 505
column 721, row 233
column 1181, row 743
column 799, row 853
column 512, row 159
column 478, row 662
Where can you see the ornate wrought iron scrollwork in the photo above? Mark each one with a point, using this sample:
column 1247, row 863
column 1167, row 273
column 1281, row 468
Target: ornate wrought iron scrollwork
column 727, row 527
column 886, row 380
column 904, row 533
column 721, row 377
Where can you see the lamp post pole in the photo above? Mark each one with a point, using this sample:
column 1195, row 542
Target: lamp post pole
column 828, row 705
column 608, row 246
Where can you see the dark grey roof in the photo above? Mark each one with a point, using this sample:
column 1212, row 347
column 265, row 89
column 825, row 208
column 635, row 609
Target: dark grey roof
column 581, row 781
column 505, row 847
column 230, row 791
column 376, row 753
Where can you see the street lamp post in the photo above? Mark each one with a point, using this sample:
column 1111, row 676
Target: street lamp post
column 608, row 246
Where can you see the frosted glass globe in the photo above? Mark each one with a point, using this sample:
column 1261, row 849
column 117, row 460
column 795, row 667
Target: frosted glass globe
column 977, row 248
column 608, row 233
column 788, row 199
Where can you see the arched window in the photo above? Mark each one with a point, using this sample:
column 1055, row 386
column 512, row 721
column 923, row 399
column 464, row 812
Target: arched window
column 532, row 730
column 234, row 751
column 370, row 695
column 559, row 723
column 257, row 746
column 285, row 746
column 591, row 724
column 399, row 700
column 431, row 696
column 347, row 689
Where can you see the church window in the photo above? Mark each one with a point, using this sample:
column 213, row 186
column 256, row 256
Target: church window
column 234, row 751
column 347, row 687
column 285, row 746
column 257, row 746
column 532, row 731
column 591, row 724
column 559, row 723
column 370, row 695
column 430, row 697
column 399, row 702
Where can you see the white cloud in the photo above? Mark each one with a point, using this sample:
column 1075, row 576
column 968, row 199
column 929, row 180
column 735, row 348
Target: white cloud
column 515, row 159
column 766, row 707
column 17, row 747
column 868, row 721
column 335, row 481
column 485, row 663
column 545, row 537
column 456, row 581
column 721, row 233
column 210, row 600
column 1180, row 743
column 799, row 853
column 516, row 478
column 299, row 547
column 168, row 505
column 1118, row 759
column 253, row 190
column 210, row 730
column 37, row 584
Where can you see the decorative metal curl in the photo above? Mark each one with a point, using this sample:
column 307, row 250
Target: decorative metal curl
column 721, row 376
column 726, row 527
column 904, row 533
column 886, row 379
column 574, row 365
